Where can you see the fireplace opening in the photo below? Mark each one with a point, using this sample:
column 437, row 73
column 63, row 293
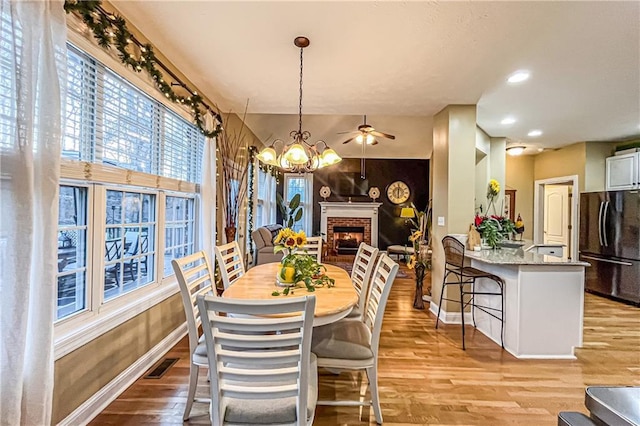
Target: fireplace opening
column 347, row 239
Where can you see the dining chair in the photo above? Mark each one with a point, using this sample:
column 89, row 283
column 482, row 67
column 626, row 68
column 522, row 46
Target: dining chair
column 314, row 248
column 353, row 344
column 229, row 258
column 195, row 277
column 363, row 266
column 261, row 367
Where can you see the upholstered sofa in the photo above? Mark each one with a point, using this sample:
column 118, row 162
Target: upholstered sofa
column 263, row 239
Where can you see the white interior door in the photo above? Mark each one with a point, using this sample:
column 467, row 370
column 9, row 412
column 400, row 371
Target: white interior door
column 556, row 216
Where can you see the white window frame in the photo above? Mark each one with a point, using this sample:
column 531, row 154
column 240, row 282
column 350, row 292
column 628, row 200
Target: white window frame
column 194, row 198
column 307, row 204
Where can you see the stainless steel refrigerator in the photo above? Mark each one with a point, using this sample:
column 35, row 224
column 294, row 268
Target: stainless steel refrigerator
column 610, row 242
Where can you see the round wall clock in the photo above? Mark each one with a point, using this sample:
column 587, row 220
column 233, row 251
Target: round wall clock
column 398, row 192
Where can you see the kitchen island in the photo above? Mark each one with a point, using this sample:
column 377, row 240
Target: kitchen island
column 544, row 302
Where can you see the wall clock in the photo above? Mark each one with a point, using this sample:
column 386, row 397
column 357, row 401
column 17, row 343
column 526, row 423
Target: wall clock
column 398, row 192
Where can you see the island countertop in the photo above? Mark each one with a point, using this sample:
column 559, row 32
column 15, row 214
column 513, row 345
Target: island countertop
column 511, row 256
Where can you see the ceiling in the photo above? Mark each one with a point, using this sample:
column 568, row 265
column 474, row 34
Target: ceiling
column 401, row 62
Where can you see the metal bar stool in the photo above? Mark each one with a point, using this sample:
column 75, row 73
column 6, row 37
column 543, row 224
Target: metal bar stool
column 454, row 264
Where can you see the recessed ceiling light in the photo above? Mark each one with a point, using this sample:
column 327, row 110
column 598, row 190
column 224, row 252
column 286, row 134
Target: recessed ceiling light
column 515, row 150
column 534, row 133
column 519, row 76
column 508, row 120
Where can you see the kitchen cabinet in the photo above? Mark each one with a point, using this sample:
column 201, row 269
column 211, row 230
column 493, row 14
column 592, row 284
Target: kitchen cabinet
column 623, row 172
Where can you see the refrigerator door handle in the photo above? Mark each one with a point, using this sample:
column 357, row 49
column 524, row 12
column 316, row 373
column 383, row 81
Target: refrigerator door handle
column 604, row 223
column 600, row 223
column 599, row 259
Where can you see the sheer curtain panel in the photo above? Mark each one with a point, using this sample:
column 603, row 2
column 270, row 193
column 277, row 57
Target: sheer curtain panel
column 207, row 227
column 32, row 87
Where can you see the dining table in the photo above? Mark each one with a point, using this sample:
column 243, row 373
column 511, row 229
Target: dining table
column 332, row 303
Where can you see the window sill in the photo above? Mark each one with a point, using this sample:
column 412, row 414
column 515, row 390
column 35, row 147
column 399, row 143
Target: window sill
column 109, row 318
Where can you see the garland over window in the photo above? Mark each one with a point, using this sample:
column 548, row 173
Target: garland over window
column 110, row 30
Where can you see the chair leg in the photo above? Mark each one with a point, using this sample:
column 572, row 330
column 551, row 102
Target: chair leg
column 191, row 394
column 473, row 300
column 462, row 312
column 440, row 303
column 372, row 374
column 502, row 315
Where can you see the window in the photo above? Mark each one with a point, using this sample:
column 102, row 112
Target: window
column 182, row 149
column 301, row 184
column 79, row 121
column 179, row 234
column 265, row 199
column 72, row 251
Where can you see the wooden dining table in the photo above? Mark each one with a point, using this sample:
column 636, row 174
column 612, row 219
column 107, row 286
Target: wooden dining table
column 332, row 303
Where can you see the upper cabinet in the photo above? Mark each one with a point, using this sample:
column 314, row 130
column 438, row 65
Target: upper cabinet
column 623, row 172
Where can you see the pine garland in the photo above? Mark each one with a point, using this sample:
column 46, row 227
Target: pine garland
column 110, row 30
column 252, row 154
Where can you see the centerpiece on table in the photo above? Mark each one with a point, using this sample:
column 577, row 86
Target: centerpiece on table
column 296, row 265
column 493, row 229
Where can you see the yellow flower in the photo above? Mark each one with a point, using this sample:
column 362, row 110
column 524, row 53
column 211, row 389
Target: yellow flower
column 279, row 237
column 301, row 239
column 412, row 262
column 415, row 236
column 494, row 187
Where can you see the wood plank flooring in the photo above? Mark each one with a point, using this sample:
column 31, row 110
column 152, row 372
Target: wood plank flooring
column 425, row 378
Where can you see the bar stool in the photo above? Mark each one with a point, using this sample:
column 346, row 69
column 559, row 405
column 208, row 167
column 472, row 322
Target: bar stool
column 454, row 265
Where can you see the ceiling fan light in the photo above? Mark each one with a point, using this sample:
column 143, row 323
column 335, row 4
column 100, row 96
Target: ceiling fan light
column 370, row 139
column 268, row 156
column 359, row 138
column 330, row 157
column 296, row 154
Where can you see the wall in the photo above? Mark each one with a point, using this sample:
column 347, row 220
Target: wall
column 483, row 150
column 566, row 161
column 83, row 372
column 497, row 160
column 519, row 176
column 380, row 173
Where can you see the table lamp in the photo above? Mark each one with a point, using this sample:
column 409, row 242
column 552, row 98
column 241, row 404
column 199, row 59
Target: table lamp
column 407, row 213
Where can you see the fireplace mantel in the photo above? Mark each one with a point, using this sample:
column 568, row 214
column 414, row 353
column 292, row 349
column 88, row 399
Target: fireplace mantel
column 350, row 210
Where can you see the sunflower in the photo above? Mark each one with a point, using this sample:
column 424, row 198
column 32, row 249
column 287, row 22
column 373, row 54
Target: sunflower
column 301, row 239
column 415, row 236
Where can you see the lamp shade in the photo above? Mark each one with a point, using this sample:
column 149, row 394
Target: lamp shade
column 330, row 157
column 407, row 212
column 295, row 154
column 268, row 156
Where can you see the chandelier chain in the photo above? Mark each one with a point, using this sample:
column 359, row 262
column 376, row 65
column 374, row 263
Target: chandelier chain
column 300, row 103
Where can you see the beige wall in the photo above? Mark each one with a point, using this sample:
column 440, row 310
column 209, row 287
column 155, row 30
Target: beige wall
column 83, row 372
column 483, row 150
column 595, row 166
column 453, row 165
column 497, row 172
column 519, row 176
column 566, row 161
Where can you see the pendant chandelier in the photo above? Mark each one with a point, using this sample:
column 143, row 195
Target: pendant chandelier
column 298, row 155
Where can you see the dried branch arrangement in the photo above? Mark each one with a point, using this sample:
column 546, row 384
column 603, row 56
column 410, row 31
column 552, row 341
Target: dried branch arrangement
column 233, row 148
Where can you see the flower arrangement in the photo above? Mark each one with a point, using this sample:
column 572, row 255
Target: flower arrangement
column 421, row 257
column 493, row 229
column 493, row 189
column 296, row 267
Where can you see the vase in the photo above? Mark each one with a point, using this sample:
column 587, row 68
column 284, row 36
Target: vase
column 230, row 232
column 418, row 302
column 285, row 275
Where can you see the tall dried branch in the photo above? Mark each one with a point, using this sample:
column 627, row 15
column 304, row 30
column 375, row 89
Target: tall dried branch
column 233, row 146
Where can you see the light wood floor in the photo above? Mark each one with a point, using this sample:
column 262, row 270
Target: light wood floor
column 426, row 378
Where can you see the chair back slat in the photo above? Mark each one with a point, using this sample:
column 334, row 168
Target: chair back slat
column 195, row 277
column 313, row 248
column 383, row 276
column 453, row 252
column 266, row 362
column 363, row 266
column 229, row 258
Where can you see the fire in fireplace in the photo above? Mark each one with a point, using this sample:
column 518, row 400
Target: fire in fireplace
column 347, row 239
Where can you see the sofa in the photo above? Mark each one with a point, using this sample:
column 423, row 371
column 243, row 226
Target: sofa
column 263, row 239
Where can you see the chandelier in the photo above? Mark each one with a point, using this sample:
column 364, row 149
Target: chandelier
column 298, row 155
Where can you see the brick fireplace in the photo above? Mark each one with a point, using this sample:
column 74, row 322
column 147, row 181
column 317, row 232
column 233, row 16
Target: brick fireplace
column 346, row 234
column 350, row 215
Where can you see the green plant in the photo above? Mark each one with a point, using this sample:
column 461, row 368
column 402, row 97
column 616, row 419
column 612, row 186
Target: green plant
column 490, row 229
column 309, row 272
column 291, row 212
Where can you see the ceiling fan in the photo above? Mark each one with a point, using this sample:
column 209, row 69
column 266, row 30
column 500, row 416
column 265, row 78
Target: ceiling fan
column 367, row 133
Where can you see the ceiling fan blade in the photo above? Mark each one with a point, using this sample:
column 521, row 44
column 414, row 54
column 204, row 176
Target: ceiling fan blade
column 375, row 142
column 346, row 133
column 382, row 134
column 348, row 140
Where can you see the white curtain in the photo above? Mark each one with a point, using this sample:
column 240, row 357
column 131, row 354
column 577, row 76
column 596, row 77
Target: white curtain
column 207, row 226
column 270, row 204
column 32, row 91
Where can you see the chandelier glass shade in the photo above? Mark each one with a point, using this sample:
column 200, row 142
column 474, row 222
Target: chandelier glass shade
column 298, row 155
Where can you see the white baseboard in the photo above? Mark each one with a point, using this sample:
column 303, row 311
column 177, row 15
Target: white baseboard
column 450, row 317
column 105, row 396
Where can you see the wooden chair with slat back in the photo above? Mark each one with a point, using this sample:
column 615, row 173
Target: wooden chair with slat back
column 351, row 344
column 314, row 248
column 363, row 266
column 229, row 258
column 261, row 368
column 195, row 277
